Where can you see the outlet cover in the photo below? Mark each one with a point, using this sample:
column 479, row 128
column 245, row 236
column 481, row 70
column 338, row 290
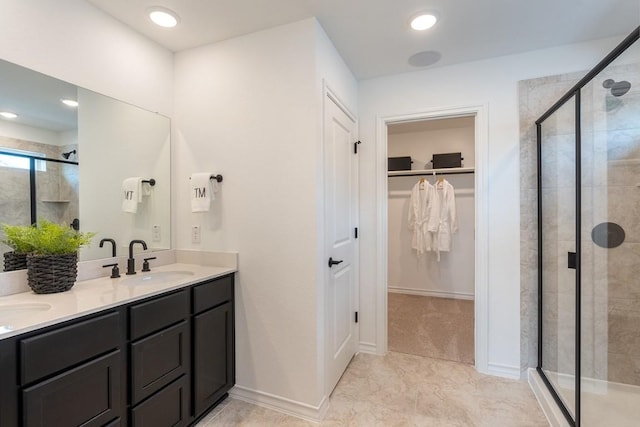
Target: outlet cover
column 156, row 235
column 195, row 234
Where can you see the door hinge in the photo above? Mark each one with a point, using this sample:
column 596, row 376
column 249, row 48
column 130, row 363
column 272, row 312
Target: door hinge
column 572, row 260
column 356, row 317
column 355, row 232
column 355, row 146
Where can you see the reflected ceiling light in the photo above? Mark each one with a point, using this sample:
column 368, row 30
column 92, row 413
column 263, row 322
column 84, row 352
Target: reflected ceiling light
column 163, row 17
column 8, row 115
column 424, row 22
column 69, row 102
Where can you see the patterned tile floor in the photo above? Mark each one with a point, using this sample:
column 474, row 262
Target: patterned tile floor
column 405, row 390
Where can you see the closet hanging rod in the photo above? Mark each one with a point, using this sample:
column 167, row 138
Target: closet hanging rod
column 427, row 172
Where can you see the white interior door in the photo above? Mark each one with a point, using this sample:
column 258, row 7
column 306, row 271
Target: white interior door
column 341, row 204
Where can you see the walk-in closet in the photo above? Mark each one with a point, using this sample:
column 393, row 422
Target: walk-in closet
column 431, row 232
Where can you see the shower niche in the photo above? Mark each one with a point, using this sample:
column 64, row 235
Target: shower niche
column 589, row 244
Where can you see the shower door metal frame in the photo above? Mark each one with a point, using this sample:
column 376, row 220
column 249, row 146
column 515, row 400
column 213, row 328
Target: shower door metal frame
column 575, row 91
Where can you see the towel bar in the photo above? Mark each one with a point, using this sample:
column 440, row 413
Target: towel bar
column 216, row 177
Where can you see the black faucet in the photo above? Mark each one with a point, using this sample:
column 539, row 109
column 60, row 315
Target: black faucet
column 113, row 245
column 131, row 262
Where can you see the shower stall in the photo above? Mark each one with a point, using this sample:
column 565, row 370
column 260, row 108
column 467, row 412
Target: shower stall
column 589, row 244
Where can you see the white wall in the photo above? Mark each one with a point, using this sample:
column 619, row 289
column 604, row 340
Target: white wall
column 34, row 134
column 423, row 274
column 249, row 108
column 492, row 82
column 76, row 42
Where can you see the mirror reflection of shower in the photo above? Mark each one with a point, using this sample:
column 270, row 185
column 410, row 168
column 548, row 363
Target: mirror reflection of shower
column 617, row 90
column 69, row 154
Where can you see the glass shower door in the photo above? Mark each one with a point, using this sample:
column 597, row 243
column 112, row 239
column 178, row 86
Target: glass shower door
column 610, row 264
column 557, row 181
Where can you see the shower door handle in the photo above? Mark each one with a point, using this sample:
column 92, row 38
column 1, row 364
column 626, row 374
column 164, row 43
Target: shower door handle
column 572, row 260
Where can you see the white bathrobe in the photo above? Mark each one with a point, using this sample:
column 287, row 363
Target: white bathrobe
column 443, row 220
column 421, row 196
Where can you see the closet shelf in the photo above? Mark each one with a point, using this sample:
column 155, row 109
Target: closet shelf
column 445, row 171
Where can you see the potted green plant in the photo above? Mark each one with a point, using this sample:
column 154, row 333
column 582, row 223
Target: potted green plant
column 16, row 237
column 52, row 263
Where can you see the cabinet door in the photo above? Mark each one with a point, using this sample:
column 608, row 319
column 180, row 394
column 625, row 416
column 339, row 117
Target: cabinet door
column 167, row 408
column 213, row 356
column 88, row 395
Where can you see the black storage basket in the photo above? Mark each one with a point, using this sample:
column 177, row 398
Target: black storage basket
column 399, row 163
column 447, row 160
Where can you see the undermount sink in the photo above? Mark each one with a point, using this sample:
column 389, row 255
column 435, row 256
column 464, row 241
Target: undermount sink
column 10, row 310
column 156, row 277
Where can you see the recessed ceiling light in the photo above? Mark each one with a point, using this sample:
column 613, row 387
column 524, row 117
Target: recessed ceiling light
column 69, row 102
column 163, row 17
column 8, row 115
column 423, row 22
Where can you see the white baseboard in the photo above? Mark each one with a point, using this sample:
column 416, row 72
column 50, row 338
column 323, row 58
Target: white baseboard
column 545, row 400
column 431, row 293
column 505, row 371
column 368, row 347
column 277, row 403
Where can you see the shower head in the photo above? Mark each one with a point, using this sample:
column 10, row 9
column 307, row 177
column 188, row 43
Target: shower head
column 617, row 88
column 68, row 154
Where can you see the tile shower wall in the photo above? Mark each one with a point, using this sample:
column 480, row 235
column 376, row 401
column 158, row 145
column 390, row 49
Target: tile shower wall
column 610, row 179
column 57, row 187
column 613, row 190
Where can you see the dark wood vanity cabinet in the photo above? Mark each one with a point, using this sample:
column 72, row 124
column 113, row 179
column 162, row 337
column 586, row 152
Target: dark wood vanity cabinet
column 68, row 374
column 213, row 343
column 163, row 361
column 160, row 360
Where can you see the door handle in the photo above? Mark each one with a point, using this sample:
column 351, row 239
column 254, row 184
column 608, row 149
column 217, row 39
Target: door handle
column 332, row 262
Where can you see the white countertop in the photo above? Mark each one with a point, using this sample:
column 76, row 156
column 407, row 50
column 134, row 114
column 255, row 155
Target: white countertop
column 27, row 311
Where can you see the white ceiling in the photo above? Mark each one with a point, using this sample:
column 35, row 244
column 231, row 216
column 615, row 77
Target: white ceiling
column 373, row 36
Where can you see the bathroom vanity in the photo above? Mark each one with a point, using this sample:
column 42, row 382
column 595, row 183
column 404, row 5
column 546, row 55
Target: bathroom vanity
column 120, row 352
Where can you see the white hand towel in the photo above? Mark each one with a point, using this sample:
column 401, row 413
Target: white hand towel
column 132, row 191
column 201, row 194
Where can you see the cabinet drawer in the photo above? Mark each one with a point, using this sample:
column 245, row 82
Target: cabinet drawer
column 159, row 359
column 212, row 293
column 88, row 395
column 157, row 314
column 53, row 351
column 169, row 407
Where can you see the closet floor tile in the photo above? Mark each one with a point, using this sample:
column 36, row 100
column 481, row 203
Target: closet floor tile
column 433, row 327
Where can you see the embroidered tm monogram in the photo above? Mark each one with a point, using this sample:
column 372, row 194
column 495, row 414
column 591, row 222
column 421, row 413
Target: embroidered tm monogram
column 128, row 195
column 200, row 192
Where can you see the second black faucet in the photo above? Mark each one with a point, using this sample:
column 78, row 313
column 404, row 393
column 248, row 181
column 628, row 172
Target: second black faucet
column 131, row 262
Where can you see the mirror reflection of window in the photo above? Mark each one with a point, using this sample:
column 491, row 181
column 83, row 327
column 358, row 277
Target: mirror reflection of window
column 18, row 162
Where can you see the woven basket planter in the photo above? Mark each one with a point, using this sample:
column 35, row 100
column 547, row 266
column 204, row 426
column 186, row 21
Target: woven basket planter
column 48, row 274
column 14, row 261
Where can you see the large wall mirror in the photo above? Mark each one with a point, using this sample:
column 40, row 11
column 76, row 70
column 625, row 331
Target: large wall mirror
column 67, row 163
